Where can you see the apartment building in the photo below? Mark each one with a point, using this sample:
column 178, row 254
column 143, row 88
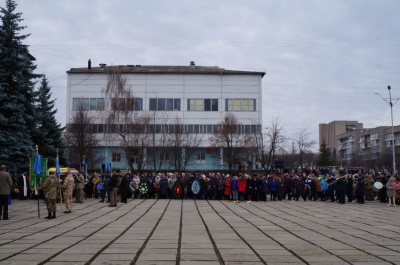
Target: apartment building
column 350, row 141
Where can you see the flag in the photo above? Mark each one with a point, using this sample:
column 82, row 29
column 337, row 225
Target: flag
column 58, row 170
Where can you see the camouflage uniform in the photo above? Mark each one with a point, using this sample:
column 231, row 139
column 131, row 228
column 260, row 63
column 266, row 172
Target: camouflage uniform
column 51, row 188
column 369, row 189
column 79, row 186
column 68, row 188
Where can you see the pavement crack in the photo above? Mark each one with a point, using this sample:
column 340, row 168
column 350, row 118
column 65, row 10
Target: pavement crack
column 151, row 234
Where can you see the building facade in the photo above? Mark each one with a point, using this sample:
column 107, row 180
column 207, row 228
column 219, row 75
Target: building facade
column 192, row 99
column 351, row 143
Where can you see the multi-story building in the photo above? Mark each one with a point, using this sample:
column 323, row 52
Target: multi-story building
column 351, row 142
column 196, row 97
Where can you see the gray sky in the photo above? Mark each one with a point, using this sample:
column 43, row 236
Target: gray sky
column 323, row 59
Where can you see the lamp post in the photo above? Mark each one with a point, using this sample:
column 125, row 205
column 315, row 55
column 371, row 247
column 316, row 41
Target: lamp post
column 391, row 104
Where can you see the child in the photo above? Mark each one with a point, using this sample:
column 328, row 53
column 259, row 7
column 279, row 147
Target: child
column 391, row 190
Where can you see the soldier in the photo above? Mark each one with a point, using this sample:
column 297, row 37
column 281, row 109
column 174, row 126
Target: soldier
column 51, row 187
column 68, row 188
column 79, row 186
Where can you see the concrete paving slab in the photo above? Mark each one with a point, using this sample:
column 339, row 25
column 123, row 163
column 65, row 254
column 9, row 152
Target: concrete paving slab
column 279, row 232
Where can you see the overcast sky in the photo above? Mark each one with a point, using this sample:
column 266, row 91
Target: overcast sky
column 323, row 59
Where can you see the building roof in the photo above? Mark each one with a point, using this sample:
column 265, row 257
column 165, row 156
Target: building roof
column 141, row 69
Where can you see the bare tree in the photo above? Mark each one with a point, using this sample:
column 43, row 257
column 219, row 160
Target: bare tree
column 126, row 128
column 81, row 139
column 159, row 155
column 267, row 142
column 182, row 145
column 303, row 144
column 233, row 141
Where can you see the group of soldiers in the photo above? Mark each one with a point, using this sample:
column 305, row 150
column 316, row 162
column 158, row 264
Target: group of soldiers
column 53, row 188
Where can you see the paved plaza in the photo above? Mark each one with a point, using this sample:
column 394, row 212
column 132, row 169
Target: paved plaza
column 202, row 232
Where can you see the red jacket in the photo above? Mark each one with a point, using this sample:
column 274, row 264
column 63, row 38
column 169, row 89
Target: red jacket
column 242, row 185
column 227, row 187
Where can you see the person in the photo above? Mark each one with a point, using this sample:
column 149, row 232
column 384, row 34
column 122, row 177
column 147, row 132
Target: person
column 5, row 190
column 331, row 187
column 241, row 187
column 171, row 185
column 68, row 188
column 227, row 188
column 235, row 189
column 382, row 192
column 114, row 189
column 124, row 188
column 105, row 189
column 360, row 188
column 163, row 185
column 51, row 188
column 341, row 189
column 89, row 187
column 135, row 187
column 23, row 186
column 391, row 190
column 369, row 188
column 263, row 190
column 271, row 186
column 79, row 186
column 349, row 188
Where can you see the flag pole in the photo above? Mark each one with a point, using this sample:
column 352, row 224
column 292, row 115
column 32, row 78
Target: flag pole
column 37, row 180
column 59, row 179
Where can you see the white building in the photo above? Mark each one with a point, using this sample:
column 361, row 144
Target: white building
column 198, row 96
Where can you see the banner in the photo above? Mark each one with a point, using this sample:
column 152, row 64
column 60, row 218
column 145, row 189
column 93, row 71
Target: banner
column 33, row 176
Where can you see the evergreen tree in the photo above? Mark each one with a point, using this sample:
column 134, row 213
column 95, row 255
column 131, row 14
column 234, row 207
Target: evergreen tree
column 48, row 132
column 324, row 158
column 16, row 92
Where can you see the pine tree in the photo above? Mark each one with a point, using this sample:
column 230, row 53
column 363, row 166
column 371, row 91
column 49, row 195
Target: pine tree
column 48, row 132
column 324, row 158
column 16, row 92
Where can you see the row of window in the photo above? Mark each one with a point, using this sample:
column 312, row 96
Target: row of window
column 163, row 128
column 163, row 104
column 164, row 156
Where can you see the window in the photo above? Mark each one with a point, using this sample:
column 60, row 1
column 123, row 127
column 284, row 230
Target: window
column 80, row 104
column 164, row 156
column 165, row 104
column 130, row 104
column 207, row 104
column 201, row 156
column 88, row 104
column 240, row 104
column 116, row 157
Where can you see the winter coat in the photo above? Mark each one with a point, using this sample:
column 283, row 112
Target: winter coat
column 164, row 186
column 391, row 188
column 242, row 185
column 271, row 185
column 227, row 187
column 263, row 186
column 234, row 184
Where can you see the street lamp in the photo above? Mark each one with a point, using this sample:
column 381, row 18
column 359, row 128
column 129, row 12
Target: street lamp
column 391, row 104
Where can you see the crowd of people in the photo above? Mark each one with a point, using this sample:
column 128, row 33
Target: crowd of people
column 308, row 185
column 114, row 187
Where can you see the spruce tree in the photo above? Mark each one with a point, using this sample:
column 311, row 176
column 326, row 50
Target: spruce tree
column 48, row 133
column 324, row 158
column 16, row 92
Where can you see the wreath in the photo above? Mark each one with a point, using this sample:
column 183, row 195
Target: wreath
column 143, row 188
